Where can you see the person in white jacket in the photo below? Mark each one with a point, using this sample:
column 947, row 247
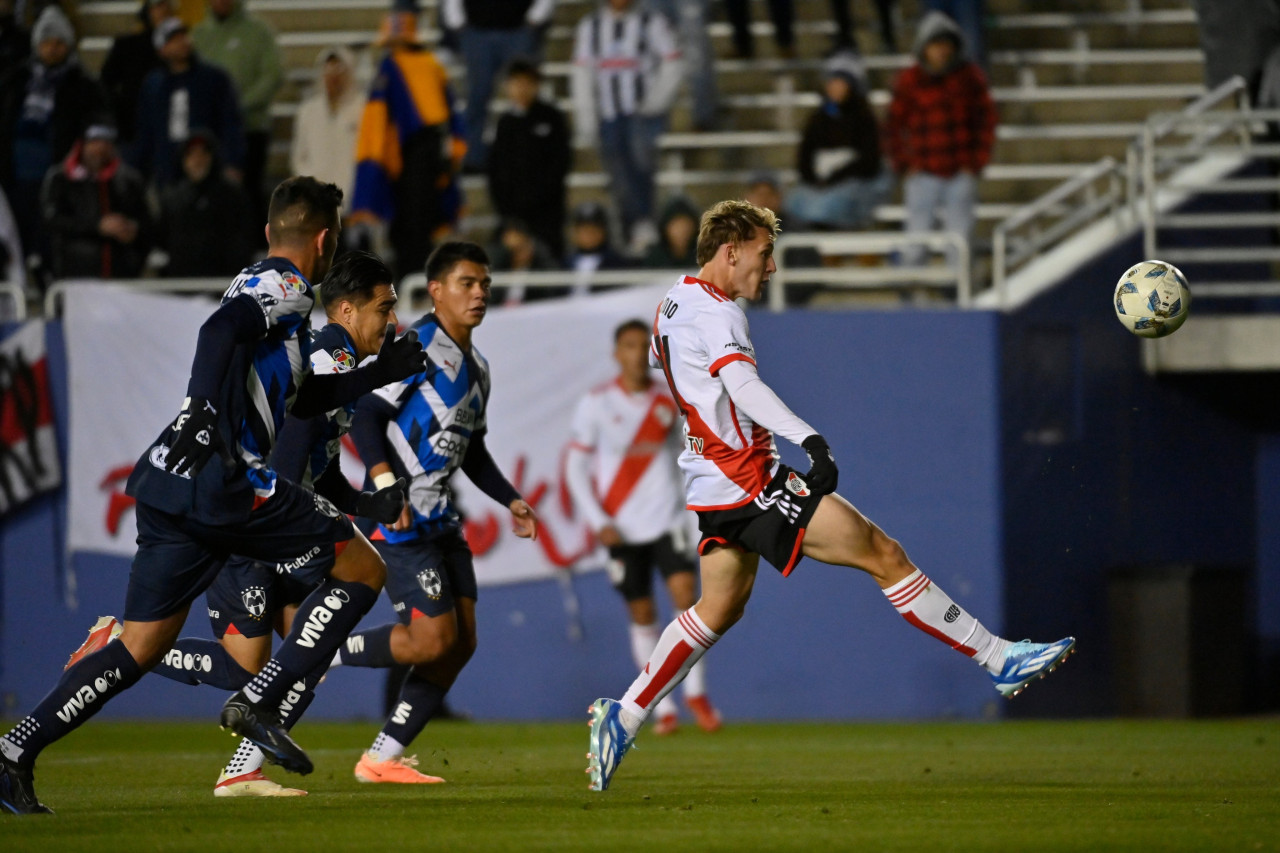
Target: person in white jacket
column 325, row 129
column 626, row 74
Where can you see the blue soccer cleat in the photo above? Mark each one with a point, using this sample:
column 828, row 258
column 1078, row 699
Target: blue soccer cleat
column 1026, row 661
column 609, row 743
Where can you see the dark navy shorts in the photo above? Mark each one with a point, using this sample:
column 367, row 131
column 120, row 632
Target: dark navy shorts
column 426, row 576
column 631, row 567
column 246, row 596
column 772, row 525
column 294, row 531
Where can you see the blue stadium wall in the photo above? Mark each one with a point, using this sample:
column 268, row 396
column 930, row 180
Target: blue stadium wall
column 944, row 426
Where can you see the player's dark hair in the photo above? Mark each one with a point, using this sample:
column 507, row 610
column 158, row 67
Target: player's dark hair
column 448, row 255
column 732, row 221
column 354, row 277
column 632, row 325
column 302, row 207
column 524, row 67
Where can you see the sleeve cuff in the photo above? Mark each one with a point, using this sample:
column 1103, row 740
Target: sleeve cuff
column 719, row 363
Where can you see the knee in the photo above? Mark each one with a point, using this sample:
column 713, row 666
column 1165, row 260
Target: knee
column 431, row 646
column 891, row 560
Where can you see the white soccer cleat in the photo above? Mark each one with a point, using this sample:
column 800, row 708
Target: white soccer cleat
column 252, row 784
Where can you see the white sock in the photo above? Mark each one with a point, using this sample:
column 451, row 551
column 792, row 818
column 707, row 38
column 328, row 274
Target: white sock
column 681, row 645
column 337, row 658
column 644, row 638
column 919, row 600
column 386, row 747
column 247, row 759
column 695, row 683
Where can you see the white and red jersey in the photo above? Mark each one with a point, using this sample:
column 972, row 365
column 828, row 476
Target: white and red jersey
column 727, row 458
column 622, row 469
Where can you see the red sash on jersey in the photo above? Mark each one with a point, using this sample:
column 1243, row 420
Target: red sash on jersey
column 652, row 433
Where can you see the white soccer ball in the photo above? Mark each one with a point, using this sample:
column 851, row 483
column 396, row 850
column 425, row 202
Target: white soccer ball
column 1152, row 299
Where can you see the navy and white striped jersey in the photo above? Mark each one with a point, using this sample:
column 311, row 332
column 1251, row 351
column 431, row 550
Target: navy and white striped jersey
column 626, row 53
column 257, row 390
column 308, row 447
column 436, row 413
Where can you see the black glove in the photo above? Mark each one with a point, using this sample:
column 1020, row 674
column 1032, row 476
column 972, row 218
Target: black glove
column 197, row 439
column 399, row 358
column 384, row 505
column 822, row 476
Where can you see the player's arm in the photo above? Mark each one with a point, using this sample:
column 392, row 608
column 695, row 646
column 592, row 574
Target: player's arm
column 383, row 505
column 480, row 468
column 399, row 358
column 749, row 393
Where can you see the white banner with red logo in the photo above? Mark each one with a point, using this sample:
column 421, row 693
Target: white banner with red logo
column 28, row 441
column 129, row 356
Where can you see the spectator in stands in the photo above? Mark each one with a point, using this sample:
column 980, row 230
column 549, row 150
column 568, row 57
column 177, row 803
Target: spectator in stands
column 518, row 251
column 841, row 176
column 677, row 247
column 15, row 42
column 782, row 13
column 970, row 16
column 690, row 20
column 409, row 149
column 44, row 105
column 131, row 58
column 184, row 94
column 205, row 222
column 764, row 190
column 245, row 48
column 940, row 131
column 491, row 34
column 95, row 211
column 328, row 123
column 530, row 159
column 590, row 249
column 627, row 71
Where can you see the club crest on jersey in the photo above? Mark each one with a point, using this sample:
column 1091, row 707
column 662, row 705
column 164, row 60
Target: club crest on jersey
column 325, row 507
column 344, row 359
column 797, row 486
column 429, row 580
column 255, row 601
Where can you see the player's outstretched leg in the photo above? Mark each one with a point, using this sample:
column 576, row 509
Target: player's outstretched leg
column 243, row 776
column 323, row 620
column 644, row 639
column 840, row 535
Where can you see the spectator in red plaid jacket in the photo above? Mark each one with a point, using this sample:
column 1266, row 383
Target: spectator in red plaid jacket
column 940, row 131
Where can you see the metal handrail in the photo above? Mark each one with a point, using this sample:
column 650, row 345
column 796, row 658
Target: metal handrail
column 955, row 273
column 17, row 297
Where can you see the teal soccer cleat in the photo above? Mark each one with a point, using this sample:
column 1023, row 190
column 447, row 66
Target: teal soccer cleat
column 1026, row 661
column 609, row 743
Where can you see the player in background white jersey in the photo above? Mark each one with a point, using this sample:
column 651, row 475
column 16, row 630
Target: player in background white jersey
column 624, row 480
column 750, row 505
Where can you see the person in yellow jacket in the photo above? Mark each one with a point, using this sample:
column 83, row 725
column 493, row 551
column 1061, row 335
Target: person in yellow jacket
column 409, row 149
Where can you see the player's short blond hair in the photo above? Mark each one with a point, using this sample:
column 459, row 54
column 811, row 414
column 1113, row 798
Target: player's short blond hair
column 733, row 221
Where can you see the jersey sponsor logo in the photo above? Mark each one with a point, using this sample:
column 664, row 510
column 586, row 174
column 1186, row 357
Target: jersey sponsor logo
column 432, row 585
column 255, row 601
column 447, row 444
column 797, row 486
column 288, row 566
column 88, row 694
column 175, row 659
column 214, row 614
column 464, row 417
column 344, row 359
column 695, row 444
column 321, row 616
column 742, row 348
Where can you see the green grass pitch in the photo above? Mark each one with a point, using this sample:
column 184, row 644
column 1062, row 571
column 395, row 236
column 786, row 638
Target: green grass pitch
column 1011, row 786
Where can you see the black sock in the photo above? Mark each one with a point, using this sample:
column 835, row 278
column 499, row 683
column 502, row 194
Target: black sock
column 371, row 647
column 323, row 620
column 194, row 660
column 78, row 695
column 418, row 703
column 299, row 696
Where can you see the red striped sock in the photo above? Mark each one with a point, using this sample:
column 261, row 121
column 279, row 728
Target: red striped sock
column 681, row 645
column 919, row 600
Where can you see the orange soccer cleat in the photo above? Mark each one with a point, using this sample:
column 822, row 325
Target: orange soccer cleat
column 704, row 713
column 103, row 631
column 399, row 769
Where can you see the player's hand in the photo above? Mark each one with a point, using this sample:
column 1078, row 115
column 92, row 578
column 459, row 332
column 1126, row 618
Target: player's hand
column 609, row 536
column 399, row 358
column 404, row 521
column 384, row 505
column 524, row 519
column 823, row 475
column 197, row 437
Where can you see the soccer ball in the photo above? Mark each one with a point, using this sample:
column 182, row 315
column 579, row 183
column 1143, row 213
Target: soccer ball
column 1152, row 299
